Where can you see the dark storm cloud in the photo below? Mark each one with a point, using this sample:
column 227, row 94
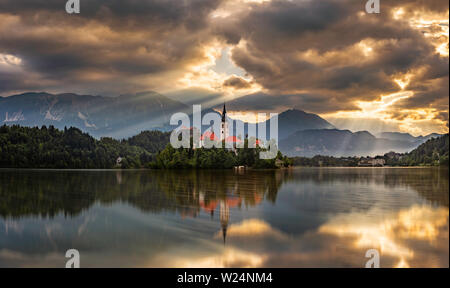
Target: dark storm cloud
column 443, row 116
column 237, row 83
column 418, row 5
column 108, row 43
column 12, row 81
column 431, row 94
column 128, row 13
column 276, row 34
column 430, row 86
column 275, row 40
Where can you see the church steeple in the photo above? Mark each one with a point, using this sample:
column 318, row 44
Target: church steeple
column 224, row 113
column 224, row 128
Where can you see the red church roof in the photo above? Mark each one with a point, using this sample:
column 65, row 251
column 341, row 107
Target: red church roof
column 233, row 139
column 210, row 135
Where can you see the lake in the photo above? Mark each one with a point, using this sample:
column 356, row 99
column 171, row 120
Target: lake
column 302, row 217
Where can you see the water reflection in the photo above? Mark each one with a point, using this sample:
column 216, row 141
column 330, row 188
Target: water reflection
column 48, row 193
column 284, row 218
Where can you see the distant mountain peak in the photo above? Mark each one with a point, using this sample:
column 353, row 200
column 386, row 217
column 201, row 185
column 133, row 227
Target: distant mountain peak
column 296, row 112
column 140, row 94
column 293, row 120
column 30, row 94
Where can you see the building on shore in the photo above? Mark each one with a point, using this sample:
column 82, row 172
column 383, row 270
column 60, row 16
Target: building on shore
column 371, row 162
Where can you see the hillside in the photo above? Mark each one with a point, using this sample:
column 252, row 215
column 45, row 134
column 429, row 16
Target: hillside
column 397, row 136
column 334, row 142
column 433, row 152
column 25, row 147
column 100, row 116
column 151, row 141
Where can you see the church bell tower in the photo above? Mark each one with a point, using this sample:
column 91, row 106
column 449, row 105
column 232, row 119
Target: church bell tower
column 224, row 127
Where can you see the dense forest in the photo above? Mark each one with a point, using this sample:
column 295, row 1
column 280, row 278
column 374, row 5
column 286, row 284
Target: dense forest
column 48, row 147
column 25, row 147
column 152, row 141
column 434, row 152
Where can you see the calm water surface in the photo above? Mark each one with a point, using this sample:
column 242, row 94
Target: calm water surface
column 298, row 218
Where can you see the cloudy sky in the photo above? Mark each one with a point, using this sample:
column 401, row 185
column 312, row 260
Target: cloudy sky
column 386, row 71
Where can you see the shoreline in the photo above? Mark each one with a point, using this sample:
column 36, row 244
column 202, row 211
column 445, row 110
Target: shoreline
column 232, row 169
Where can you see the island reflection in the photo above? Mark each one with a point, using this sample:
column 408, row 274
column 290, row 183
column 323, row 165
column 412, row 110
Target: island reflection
column 273, row 218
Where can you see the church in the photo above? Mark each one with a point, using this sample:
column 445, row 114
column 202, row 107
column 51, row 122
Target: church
column 224, row 133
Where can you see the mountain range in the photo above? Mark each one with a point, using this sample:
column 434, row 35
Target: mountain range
column 117, row 117
column 300, row 133
column 335, row 142
column 398, row 136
